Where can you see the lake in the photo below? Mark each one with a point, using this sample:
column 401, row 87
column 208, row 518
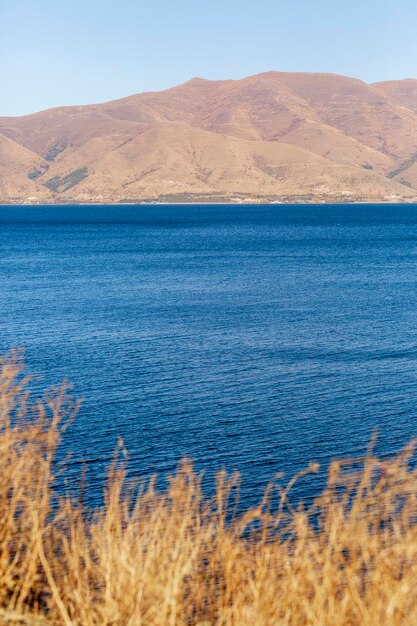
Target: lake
column 255, row 338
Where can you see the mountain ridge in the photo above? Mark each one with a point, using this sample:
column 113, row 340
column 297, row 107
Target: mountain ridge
column 275, row 136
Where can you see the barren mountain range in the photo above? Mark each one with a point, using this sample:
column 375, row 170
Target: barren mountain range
column 270, row 137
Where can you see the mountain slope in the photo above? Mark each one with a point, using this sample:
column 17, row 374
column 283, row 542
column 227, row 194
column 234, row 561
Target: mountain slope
column 404, row 92
column 270, row 136
column 19, row 169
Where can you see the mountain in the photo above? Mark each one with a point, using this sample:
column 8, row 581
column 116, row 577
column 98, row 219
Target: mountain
column 270, row 137
column 16, row 165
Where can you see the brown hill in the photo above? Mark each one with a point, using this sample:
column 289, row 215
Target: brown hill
column 270, row 136
column 18, row 171
column 403, row 92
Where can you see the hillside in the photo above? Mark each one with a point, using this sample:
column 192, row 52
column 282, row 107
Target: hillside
column 270, row 137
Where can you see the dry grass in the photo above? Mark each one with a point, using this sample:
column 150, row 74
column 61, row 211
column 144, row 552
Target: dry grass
column 176, row 558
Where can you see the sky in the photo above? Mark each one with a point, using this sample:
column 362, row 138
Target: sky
column 62, row 52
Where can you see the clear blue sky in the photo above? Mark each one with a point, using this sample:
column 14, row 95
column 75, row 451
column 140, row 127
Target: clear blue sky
column 55, row 52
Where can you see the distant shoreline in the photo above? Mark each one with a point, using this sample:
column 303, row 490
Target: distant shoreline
column 225, row 202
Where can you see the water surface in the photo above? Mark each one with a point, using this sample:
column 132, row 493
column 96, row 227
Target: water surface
column 255, row 338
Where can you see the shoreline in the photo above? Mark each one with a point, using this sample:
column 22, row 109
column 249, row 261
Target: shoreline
column 225, row 202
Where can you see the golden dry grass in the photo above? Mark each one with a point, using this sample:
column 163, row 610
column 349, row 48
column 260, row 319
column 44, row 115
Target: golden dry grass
column 177, row 558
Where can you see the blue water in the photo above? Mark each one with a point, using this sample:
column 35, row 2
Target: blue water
column 255, row 338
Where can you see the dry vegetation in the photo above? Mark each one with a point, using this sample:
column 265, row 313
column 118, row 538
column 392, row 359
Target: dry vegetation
column 176, row 558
